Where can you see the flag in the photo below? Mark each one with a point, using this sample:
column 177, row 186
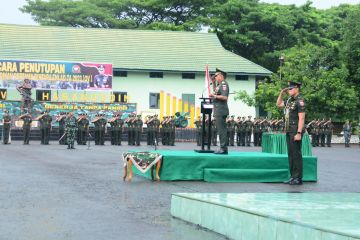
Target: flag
column 207, row 82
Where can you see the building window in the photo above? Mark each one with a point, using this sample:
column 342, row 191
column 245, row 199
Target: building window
column 156, row 74
column 242, row 77
column 188, row 75
column 154, row 100
column 118, row 73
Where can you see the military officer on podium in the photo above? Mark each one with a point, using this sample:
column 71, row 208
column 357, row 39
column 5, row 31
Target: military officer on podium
column 294, row 127
column 221, row 110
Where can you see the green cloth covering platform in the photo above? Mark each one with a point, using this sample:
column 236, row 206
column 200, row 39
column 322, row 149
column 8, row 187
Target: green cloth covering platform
column 234, row 167
column 276, row 143
column 272, row 216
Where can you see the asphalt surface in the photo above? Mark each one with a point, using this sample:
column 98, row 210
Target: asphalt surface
column 49, row 192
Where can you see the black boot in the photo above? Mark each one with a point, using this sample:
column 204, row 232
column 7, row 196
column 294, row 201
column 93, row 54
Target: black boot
column 68, row 146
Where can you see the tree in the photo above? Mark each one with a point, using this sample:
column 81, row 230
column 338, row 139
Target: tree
column 170, row 14
column 324, row 86
column 351, row 48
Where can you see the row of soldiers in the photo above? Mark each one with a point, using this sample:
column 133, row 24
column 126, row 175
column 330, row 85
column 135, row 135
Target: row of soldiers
column 241, row 130
column 71, row 128
column 321, row 132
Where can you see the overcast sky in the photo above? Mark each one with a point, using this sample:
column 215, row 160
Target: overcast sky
column 10, row 13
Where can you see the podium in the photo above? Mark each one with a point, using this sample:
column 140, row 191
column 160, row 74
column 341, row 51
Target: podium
column 206, row 109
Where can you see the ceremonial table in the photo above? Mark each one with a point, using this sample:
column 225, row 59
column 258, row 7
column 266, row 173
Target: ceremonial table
column 276, row 143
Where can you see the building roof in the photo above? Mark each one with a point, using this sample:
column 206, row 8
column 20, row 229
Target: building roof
column 125, row 49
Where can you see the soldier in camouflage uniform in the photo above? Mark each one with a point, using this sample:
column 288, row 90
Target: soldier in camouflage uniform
column 6, row 127
column 232, row 130
column 27, row 120
column 347, row 128
column 70, row 129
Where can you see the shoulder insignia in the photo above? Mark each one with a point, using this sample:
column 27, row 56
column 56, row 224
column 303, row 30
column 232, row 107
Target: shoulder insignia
column 301, row 102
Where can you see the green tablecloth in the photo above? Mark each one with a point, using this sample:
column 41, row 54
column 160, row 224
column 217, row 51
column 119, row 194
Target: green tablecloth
column 276, row 143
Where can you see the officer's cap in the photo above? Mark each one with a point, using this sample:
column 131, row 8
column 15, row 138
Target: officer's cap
column 220, row 71
column 292, row 85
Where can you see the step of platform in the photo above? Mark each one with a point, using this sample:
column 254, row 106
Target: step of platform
column 272, row 216
column 245, row 175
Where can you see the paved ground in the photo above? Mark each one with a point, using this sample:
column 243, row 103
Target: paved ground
column 48, row 192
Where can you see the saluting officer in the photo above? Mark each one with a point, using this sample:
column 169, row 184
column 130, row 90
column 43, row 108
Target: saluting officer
column 294, row 127
column 70, row 129
column 6, row 127
column 27, row 120
column 221, row 109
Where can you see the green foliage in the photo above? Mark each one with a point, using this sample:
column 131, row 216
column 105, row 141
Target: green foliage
column 150, row 14
column 351, row 48
column 321, row 47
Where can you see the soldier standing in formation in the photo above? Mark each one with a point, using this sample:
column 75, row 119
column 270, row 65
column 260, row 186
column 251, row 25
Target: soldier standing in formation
column 103, row 128
column 83, row 128
column 6, row 127
column 45, row 127
column 27, row 120
column 329, row 126
column 138, row 127
column 198, row 124
column 256, row 130
column 70, row 130
column 61, row 120
column 248, row 129
column 165, row 130
column 156, row 126
column 231, row 130
column 149, row 130
column 130, row 129
column 119, row 125
column 347, row 128
column 294, row 125
column 172, row 131
column 96, row 122
column 322, row 133
column 214, row 131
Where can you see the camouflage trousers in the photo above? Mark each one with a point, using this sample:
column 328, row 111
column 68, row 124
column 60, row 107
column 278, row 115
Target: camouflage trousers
column 70, row 135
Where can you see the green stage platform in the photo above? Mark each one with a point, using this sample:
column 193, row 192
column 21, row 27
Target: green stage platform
column 234, row 167
column 273, row 216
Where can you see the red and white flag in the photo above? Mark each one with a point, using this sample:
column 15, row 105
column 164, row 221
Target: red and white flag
column 207, row 81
